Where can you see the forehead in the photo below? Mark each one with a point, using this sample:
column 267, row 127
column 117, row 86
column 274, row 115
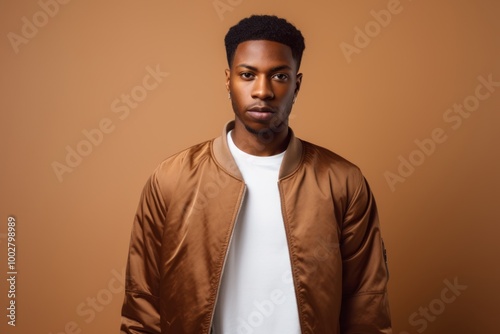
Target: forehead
column 262, row 53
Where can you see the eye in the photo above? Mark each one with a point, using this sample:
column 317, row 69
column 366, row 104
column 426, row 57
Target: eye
column 281, row 76
column 247, row 75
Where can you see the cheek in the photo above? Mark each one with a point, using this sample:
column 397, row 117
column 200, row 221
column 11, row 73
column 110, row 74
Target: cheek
column 286, row 97
column 240, row 94
column 238, row 101
column 285, row 91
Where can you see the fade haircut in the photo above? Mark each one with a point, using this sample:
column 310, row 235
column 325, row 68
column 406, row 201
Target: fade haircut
column 265, row 27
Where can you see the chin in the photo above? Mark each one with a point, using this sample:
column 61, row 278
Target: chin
column 256, row 130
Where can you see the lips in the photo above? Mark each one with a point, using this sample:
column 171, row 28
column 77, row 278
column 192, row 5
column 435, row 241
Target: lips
column 260, row 113
column 261, row 109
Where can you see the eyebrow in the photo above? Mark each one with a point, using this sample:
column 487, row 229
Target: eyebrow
column 274, row 69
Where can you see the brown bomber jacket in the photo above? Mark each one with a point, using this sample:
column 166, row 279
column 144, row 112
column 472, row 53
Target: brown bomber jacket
column 184, row 223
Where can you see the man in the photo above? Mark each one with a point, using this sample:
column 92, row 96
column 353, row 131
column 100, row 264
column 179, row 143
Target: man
column 257, row 231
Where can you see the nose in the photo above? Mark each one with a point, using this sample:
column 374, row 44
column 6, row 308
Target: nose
column 262, row 89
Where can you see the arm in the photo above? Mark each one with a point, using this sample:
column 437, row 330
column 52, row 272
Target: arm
column 365, row 304
column 140, row 311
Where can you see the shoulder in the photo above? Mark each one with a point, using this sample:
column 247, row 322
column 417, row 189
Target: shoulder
column 188, row 157
column 344, row 176
column 324, row 159
column 181, row 164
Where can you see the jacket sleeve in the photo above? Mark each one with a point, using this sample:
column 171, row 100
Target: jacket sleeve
column 140, row 310
column 365, row 304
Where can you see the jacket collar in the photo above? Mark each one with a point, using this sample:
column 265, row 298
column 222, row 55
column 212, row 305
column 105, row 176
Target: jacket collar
column 224, row 158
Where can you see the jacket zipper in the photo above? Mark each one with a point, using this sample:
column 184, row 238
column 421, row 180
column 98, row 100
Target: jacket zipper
column 225, row 258
column 290, row 255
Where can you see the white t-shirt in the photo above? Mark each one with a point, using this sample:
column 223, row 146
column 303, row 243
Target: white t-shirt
column 257, row 295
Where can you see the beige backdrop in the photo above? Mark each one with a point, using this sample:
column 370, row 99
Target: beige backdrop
column 96, row 94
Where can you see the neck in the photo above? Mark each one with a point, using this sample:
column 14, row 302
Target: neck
column 265, row 143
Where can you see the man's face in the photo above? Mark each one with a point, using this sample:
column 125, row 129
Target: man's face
column 263, row 83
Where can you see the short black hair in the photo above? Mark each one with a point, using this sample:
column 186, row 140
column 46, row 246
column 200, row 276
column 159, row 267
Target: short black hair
column 265, row 27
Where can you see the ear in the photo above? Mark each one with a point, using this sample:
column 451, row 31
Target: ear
column 228, row 75
column 298, row 83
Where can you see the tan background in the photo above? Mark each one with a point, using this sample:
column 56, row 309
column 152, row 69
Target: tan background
column 72, row 236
